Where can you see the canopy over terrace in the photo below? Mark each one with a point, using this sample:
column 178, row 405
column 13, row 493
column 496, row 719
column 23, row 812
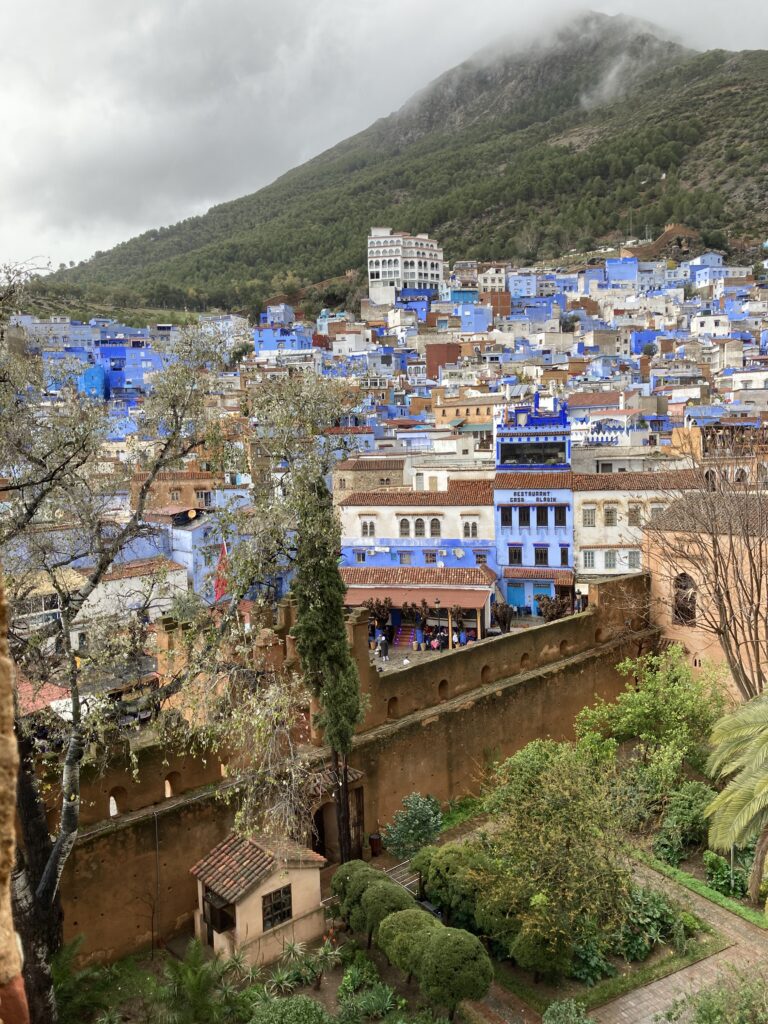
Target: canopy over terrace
column 470, row 589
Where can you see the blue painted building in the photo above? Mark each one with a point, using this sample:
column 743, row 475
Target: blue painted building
column 533, row 504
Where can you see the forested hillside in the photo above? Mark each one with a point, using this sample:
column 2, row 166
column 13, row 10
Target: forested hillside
column 509, row 156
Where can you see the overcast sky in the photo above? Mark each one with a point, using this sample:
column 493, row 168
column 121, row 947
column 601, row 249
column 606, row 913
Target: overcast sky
column 119, row 117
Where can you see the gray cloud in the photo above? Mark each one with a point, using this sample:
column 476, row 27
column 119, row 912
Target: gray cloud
column 121, row 117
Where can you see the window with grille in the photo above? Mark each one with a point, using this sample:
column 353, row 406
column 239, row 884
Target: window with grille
column 588, row 557
column 276, row 907
column 524, row 516
column 359, row 556
column 430, row 557
column 418, row 528
column 610, row 559
column 560, row 515
column 564, row 556
column 405, row 528
column 434, row 528
column 633, row 560
column 481, row 558
column 405, row 557
column 634, row 515
column 506, row 515
column 611, row 515
column 542, row 516
column 516, row 556
column 541, row 556
column 589, row 517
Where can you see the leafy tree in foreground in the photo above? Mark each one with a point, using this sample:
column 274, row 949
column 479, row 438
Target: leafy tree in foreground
column 455, row 966
column 739, row 814
column 402, row 938
column 416, row 825
column 381, row 899
column 321, row 639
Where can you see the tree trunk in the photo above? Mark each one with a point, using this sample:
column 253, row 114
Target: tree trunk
column 39, row 926
column 756, row 875
column 340, row 768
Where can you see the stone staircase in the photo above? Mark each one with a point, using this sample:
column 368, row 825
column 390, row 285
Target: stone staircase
column 404, row 636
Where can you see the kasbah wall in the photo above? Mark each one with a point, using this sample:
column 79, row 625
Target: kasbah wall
column 432, row 727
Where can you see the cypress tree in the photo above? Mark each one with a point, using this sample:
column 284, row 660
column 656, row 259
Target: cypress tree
column 321, row 639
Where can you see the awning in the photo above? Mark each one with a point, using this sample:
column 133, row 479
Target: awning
column 448, row 596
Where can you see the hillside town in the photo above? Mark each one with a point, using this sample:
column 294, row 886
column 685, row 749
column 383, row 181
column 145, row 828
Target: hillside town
column 519, row 481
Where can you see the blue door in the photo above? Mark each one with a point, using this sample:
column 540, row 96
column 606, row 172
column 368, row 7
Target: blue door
column 516, row 594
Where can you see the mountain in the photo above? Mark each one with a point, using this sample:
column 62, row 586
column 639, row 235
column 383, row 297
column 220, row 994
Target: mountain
column 514, row 154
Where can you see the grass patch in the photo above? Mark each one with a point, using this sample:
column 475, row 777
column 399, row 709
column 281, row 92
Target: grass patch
column 756, row 917
column 611, row 988
column 461, row 810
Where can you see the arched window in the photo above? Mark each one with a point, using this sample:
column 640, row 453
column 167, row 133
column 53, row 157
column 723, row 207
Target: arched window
column 684, row 601
column 434, row 528
column 474, row 529
column 710, row 480
column 364, row 530
column 742, row 476
column 405, row 528
column 371, row 529
column 466, row 529
column 418, row 528
column 117, row 798
column 172, row 784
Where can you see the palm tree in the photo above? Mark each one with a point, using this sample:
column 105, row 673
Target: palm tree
column 195, row 990
column 739, row 814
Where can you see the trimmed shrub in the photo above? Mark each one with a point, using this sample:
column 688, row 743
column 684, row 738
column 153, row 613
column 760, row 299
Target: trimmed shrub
column 381, row 899
column 402, row 938
column 293, row 1010
column 349, row 907
column 531, row 952
column 454, row 881
column 344, row 875
column 566, row 1011
column 455, row 966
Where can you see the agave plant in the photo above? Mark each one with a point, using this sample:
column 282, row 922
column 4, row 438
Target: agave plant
column 377, row 1001
column 293, row 952
column 281, row 982
column 325, row 959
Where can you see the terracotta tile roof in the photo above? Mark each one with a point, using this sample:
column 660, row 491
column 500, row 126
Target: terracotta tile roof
column 138, row 567
column 460, row 492
column 561, row 577
column 415, row 576
column 34, row 698
column 369, row 465
column 651, row 480
column 237, row 864
column 349, row 430
column 522, row 480
column 594, row 399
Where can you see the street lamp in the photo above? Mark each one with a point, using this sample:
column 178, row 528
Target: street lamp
column 437, row 609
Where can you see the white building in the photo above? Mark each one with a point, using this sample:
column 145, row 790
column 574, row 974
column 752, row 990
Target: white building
column 398, row 260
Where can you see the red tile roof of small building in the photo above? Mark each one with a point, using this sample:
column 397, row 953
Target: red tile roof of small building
column 561, row 577
column 460, row 492
column 415, row 576
column 650, row 480
column 366, row 465
column 239, row 864
column 603, row 399
column 522, row 480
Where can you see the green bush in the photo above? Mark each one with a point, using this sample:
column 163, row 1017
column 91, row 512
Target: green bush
column 361, row 974
column 455, row 966
column 344, row 875
column 80, row 994
column 417, row 825
column 453, row 881
column 719, row 876
column 292, row 1010
column 738, row 999
column 566, row 1011
column 381, row 899
column 590, row 962
column 349, row 908
column 402, row 938
column 651, row 919
column 683, row 824
column 545, row 960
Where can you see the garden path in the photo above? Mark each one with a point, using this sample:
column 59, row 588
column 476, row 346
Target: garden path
column 748, row 949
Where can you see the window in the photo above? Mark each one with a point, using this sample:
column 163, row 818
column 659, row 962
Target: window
column 542, row 516
column 276, row 907
column 203, row 498
column 656, row 511
column 430, row 557
column 634, row 515
column 610, row 559
column 541, row 556
column 404, row 557
column 589, row 517
column 611, row 515
column 405, row 528
column 481, row 558
column 564, row 556
column 473, row 529
column 175, row 494
column 561, row 512
column 364, row 529
column 515, row 555
column 418, row 528
column 684, row 601
column 588, row 558
column 506, row 515
column 524, row 516
column 633, row 559
column 434, row 528
column 342, row 484
column 359, row 556
column 466, row 530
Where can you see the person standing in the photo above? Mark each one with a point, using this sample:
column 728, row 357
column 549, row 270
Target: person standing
column 384, row 649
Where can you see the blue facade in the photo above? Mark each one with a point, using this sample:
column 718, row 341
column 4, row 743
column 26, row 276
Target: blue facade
column 622, row 270
column 533, row 513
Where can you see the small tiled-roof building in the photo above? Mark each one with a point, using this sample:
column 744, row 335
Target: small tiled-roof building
column 257, row 893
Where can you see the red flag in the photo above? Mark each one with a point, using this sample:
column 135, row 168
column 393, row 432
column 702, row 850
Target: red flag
column 220, row 577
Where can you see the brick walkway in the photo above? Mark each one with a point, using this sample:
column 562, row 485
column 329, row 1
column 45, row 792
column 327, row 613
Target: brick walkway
column 748, row 949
